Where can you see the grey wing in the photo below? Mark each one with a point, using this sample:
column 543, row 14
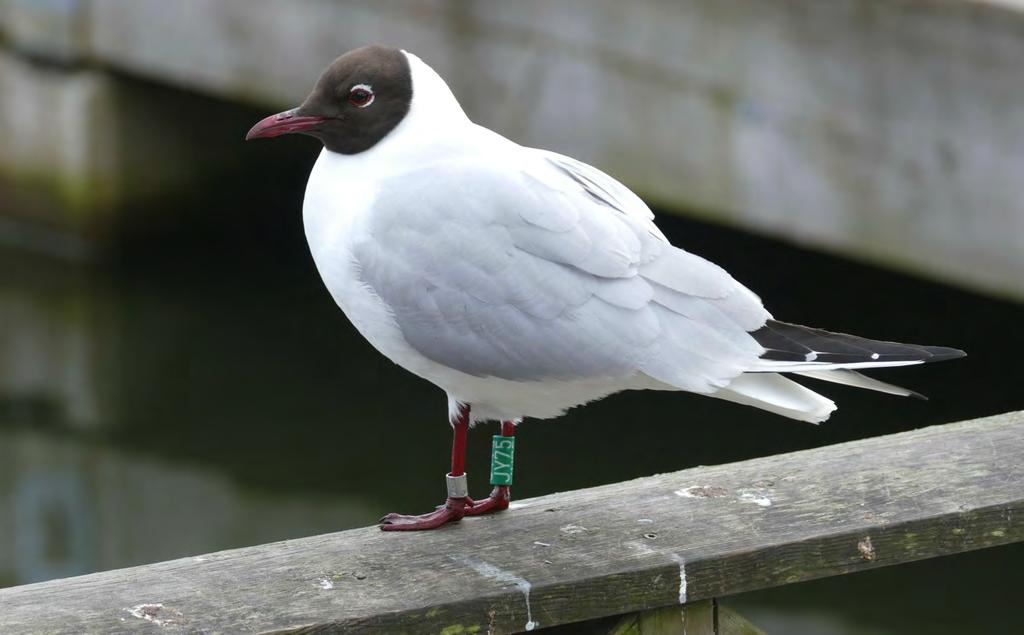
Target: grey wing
column 551, row 271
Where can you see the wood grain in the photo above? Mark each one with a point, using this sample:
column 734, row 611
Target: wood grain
column 687, row 536
column 695, row 618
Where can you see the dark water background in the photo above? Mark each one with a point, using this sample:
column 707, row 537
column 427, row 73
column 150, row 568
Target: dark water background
column 199, row 390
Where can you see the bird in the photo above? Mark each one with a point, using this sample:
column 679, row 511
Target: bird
column 524, row 282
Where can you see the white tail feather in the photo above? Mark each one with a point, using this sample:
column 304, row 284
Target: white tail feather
column 775, row 393
column 774, row 366
column 855, row 379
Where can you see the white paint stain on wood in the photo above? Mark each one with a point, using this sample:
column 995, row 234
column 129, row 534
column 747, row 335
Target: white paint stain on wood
column 151, row 612
column 682, row 577
column 702, row 491
column 757, row 497
column 488, row 570
column 866, row 549
column 573, row 530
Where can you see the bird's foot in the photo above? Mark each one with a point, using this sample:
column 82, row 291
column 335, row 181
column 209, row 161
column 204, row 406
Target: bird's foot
column 452, row 511
column 496, row 502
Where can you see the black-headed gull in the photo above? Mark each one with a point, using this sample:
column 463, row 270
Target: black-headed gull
column 523, row 282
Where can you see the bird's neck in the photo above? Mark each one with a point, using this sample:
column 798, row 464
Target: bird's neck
column 432, row 100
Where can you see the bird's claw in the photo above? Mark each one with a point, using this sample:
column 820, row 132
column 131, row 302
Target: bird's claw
column 496, row 502
column 452, row 511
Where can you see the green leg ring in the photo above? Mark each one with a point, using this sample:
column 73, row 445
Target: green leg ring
column 503, row 450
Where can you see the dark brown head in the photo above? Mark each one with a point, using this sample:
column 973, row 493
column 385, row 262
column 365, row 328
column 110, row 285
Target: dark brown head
column 357, row 101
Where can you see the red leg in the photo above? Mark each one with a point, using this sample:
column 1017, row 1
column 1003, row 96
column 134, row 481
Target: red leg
column 455, row 507
column 501, row 494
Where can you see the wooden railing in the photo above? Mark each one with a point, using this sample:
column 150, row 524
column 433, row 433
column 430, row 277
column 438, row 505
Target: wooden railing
column 656, row 551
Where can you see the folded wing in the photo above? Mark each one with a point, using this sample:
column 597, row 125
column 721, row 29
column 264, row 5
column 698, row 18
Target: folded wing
column 551, row 269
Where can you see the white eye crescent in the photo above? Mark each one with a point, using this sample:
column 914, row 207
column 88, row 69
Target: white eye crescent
column 361, row 95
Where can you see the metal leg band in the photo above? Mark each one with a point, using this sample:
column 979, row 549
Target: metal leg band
column 457, row 486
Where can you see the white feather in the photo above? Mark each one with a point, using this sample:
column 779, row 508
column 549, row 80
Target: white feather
column 777, row 394
column 855, row 379
column 775, row 366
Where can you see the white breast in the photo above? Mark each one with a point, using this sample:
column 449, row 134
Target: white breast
column 339, row 199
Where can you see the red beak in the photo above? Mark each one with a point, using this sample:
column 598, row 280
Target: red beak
column 285, row 122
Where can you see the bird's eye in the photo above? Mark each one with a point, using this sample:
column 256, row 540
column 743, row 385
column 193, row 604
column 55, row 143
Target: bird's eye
column 360, row 96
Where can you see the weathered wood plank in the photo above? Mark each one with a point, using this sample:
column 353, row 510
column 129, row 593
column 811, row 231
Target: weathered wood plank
column 696, row 618
column 706, row 617
column 732, row 623
column 622, row 548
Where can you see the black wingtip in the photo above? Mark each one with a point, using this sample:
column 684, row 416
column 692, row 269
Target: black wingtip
column 786, row 342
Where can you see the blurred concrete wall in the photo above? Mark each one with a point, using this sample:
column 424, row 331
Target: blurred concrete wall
column 889, row 130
